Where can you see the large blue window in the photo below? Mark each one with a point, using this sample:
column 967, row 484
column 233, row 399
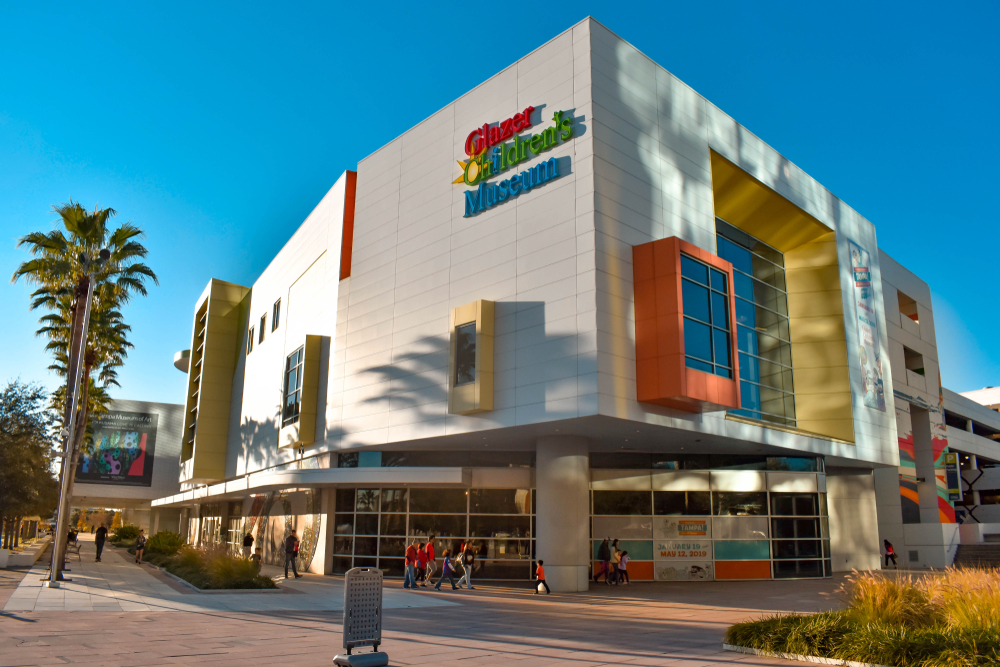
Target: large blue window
column 706, row 318
column 763, row 338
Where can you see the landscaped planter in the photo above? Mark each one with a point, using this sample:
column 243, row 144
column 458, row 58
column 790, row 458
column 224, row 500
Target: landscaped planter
column 801, row 658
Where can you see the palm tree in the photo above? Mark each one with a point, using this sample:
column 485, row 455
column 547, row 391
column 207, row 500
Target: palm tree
column 61, row 285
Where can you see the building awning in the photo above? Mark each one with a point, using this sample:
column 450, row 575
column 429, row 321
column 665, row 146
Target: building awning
column 262, row 482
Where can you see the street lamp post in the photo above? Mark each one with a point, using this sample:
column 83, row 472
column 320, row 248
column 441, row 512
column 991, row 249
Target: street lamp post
column 91, row 266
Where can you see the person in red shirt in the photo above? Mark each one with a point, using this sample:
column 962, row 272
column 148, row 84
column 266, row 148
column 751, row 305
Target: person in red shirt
column 431, row 563
column 409, row 578
column 540, row 575
column 422, row 564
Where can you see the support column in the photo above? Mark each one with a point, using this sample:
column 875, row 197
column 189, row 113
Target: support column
column 562, row 521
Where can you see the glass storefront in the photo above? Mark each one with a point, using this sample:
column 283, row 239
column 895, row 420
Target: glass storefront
column 373, row 526
column 704, row 535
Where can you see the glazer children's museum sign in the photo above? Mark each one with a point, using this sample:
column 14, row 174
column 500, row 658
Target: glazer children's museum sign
column 484, row 163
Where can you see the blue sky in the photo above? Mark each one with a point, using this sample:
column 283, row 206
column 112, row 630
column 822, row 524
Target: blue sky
column 217, row 129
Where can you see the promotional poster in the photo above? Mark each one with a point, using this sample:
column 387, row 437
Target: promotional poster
column 864, row 306
column 122, row 451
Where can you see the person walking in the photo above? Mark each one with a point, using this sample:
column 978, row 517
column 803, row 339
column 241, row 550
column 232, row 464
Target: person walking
column 247, row 545
column 410, row 566
column 890, row 553
column 422, row 564
column 623, row 569
column 99, row 537
column 604, row 557
column 616, row 559
column 468, row 562
column 540, row 575
column 431, row 562
column 257, row 559
column 291, row 551
column 140, row 546
column 446, row 571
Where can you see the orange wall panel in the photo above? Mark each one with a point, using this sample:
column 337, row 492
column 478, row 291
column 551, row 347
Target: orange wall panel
column 662, row 376
column 742, row 569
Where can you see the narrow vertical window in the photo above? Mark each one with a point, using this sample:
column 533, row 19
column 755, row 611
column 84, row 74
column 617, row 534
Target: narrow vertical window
column 250, row 341
column 465, row 353
column 293, row 387
column 275, row 314
column 263, row 322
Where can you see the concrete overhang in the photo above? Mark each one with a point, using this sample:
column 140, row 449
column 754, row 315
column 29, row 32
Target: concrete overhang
column 262, row 482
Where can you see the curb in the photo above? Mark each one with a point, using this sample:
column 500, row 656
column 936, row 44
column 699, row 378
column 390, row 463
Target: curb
column 800, row 658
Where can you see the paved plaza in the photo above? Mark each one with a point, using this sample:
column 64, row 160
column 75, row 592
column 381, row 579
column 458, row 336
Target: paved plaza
column 119, row 613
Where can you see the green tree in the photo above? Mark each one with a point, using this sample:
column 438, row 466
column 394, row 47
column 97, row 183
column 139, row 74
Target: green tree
column 27, row 486
column 61, row 284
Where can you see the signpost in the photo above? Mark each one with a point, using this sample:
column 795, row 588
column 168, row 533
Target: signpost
column 362, row 618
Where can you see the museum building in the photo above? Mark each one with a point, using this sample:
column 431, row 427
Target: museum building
column 578, row 302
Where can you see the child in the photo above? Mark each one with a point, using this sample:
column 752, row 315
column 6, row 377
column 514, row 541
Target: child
column 540, row 575
column 623, row 569
column 140, row 546
column 446, row 571
column 422, row 565
column 256, row 559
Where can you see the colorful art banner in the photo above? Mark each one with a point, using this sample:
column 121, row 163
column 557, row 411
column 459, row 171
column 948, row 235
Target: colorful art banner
column 869, row 350
column 674, row 527
column 122, row 452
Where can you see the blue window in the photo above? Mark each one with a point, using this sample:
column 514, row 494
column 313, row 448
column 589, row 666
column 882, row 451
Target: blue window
column 706, row 318
column 763, row 334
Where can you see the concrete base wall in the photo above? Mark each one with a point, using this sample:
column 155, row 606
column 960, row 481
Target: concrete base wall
column 935, row 545
column 854, row 539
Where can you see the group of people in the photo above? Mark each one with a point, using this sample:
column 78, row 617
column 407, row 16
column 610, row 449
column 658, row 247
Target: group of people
column 613, row 563
column 291, row 548
column 101, row 536
column 420, row 564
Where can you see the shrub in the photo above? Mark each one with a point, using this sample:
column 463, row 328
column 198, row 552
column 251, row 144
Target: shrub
column 216, row 569
column 124, row 533
column 164, row 542
column 947, row 619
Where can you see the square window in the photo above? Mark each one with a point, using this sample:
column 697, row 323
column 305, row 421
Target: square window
column 693, row 269
column 696, row 302
column 697, row 340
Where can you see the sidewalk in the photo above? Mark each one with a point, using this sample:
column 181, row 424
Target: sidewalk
column 118, row 584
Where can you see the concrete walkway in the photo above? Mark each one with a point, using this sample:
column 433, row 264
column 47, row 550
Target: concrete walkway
column 149, row 622
column 118, row 584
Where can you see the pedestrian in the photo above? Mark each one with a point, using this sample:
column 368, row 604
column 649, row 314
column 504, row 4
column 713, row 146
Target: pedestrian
column 616, row 559
column 291, row 551
column 623, row 568
column 140, row 546
column 422, row 564
column 890, row 553
column 247, row 545
column 540, row 575
column 99, row 537
column 91, row 529
column 257, row 559
column 410, row 566
column 446, row 571
column 468, row 559
column 604, row 557
column 431, row 562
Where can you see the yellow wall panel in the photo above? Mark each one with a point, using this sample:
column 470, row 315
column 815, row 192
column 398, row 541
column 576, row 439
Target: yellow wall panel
column 476, row 396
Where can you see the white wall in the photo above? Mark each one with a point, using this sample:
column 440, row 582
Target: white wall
column 854, row 537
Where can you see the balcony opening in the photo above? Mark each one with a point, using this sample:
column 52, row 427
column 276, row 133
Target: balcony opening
column 914, row 361
column 908, row 307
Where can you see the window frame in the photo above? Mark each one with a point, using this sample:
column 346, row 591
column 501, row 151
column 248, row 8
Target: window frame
column 691, row 360
column 263, row 325
column 275, row 315
column 299, row 361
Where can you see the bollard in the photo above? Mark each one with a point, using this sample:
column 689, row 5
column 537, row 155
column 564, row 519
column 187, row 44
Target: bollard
column 362, row 618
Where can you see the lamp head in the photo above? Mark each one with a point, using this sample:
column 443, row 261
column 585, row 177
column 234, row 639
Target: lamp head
column 105, row 254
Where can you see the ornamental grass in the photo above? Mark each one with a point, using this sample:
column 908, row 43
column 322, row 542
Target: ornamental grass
column 944, row 619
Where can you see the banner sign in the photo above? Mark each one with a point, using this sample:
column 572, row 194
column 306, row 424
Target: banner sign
column 682, row 550
column 868, row 349
column 953, row 476
column 674, row 527
column 688, row 571
column 123, row 450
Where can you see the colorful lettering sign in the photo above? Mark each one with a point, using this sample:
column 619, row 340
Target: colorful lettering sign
column 869, row 348
column 666, row 528
column 490, row 155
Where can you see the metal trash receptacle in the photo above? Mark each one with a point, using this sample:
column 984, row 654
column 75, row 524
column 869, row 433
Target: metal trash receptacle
column 362, row 618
